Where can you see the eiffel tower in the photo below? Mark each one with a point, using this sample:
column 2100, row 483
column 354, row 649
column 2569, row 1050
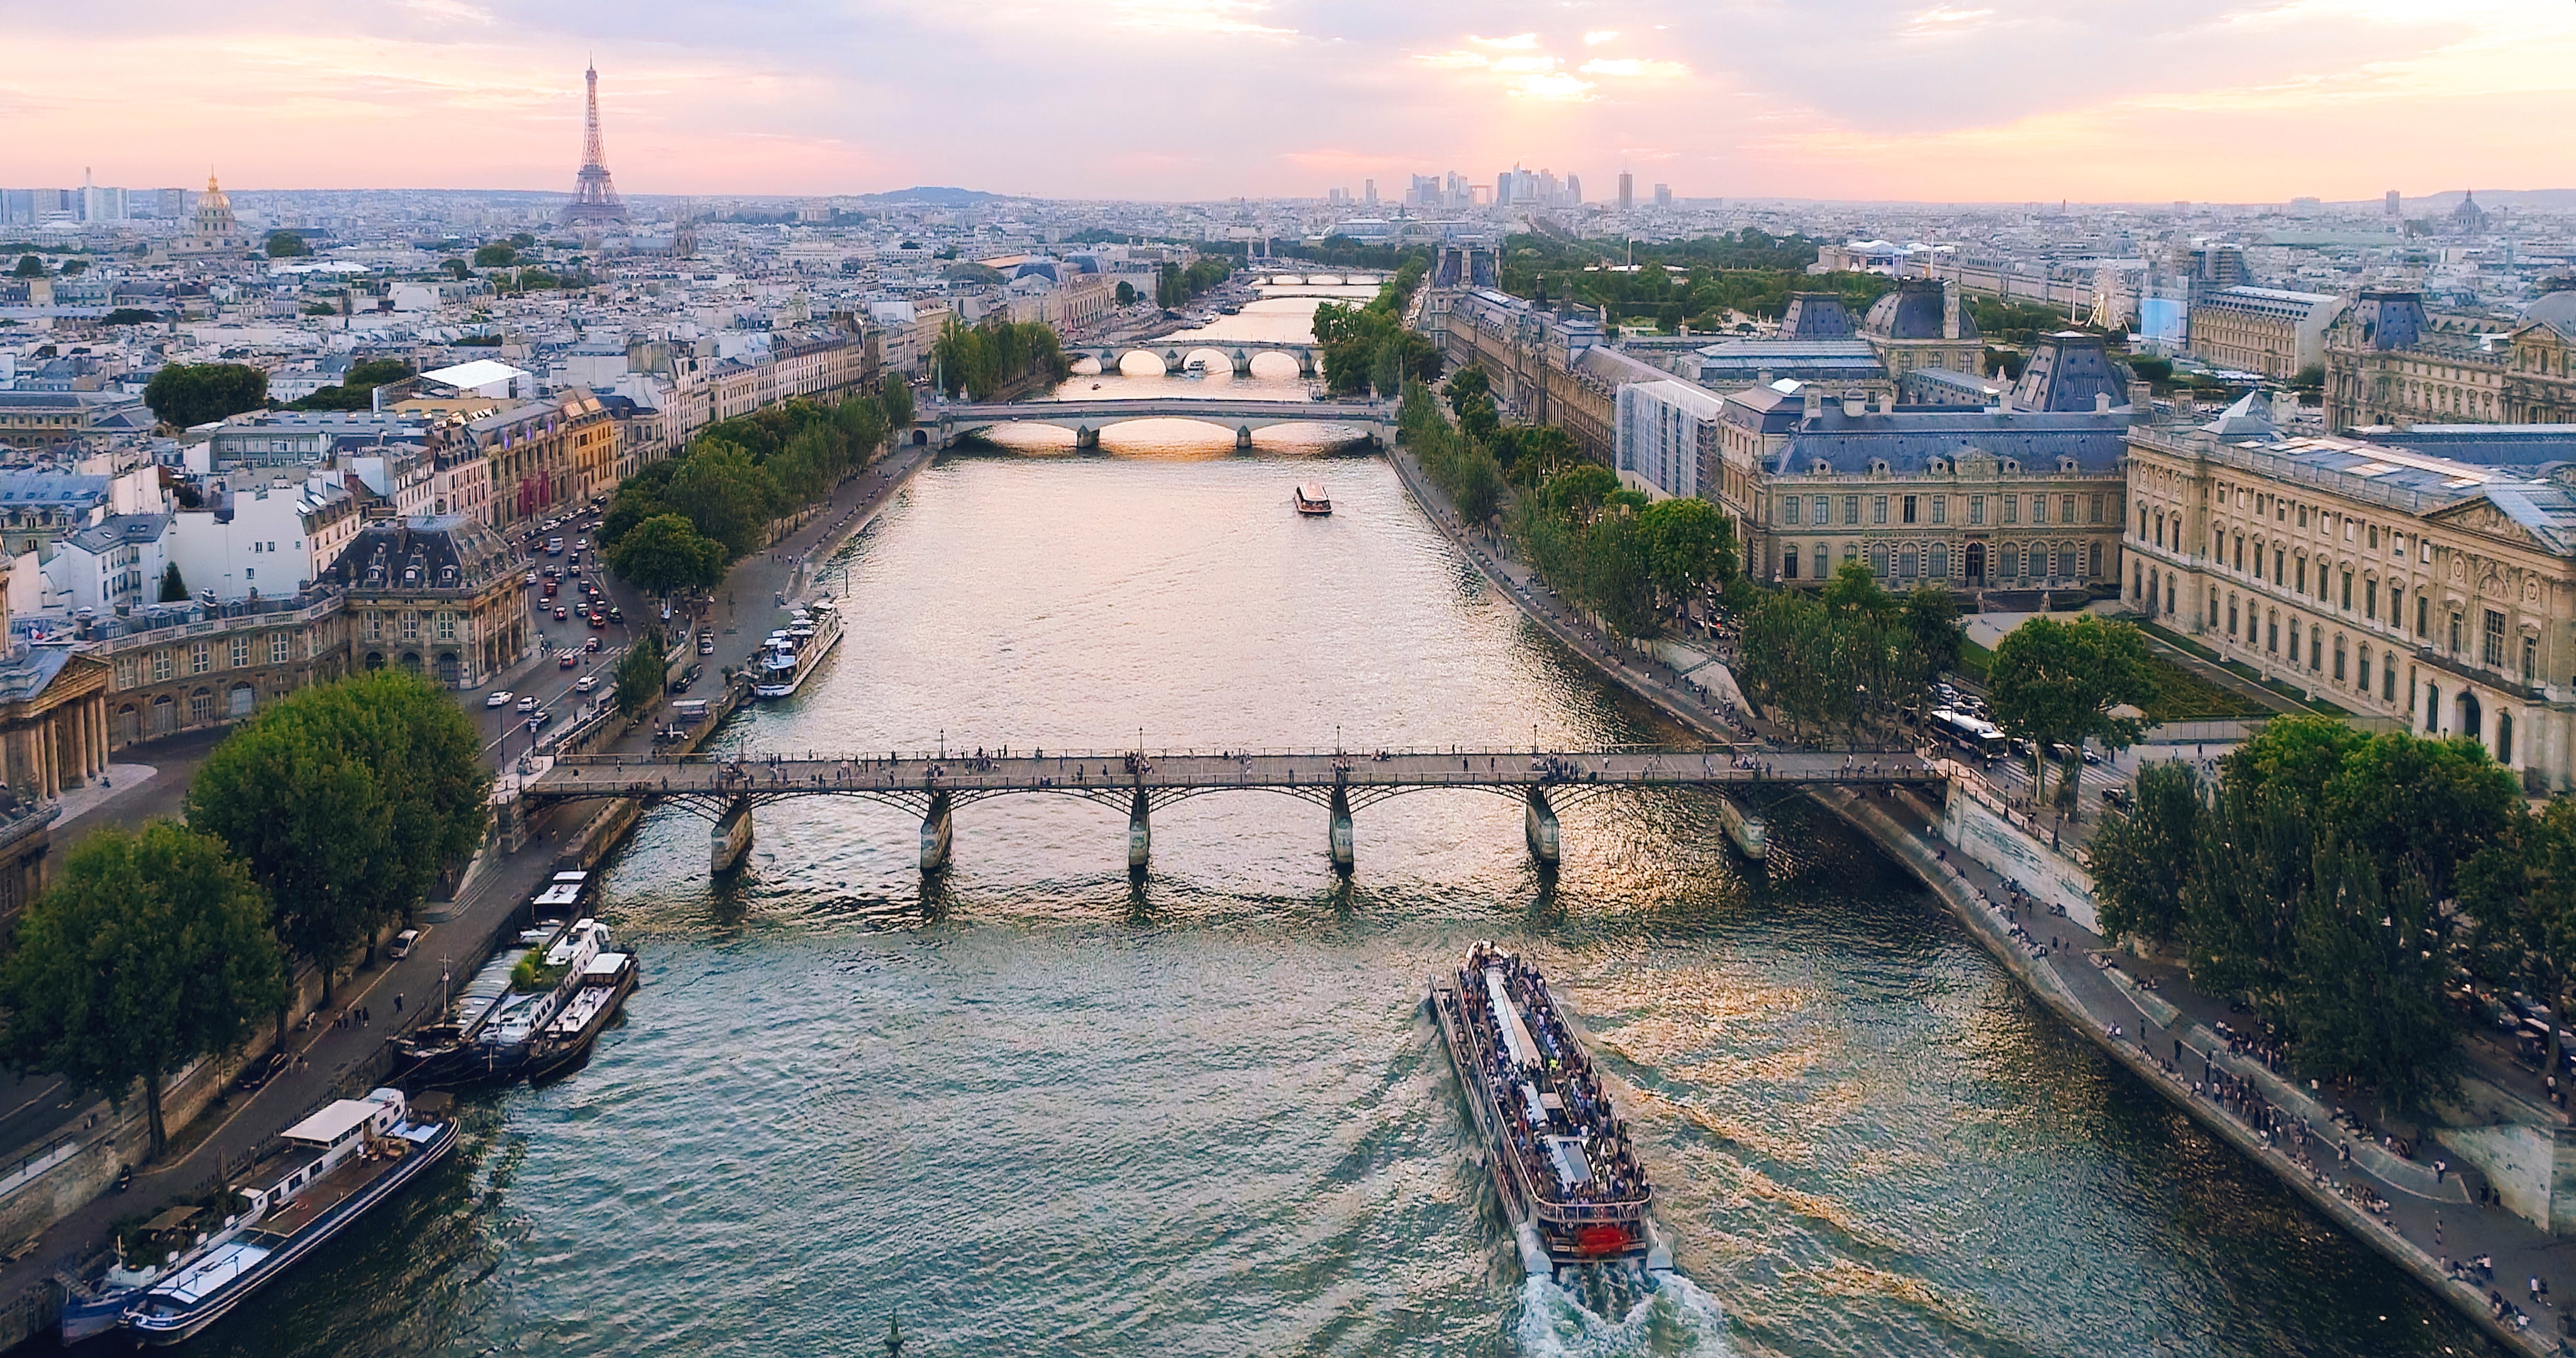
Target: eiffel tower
column 594, row 197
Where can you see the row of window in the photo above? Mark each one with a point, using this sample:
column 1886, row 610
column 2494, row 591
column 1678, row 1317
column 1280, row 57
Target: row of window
column 1795, row 510
column 2356, row 674
column 373, row 625
column 200, row 657
column 2065, row 561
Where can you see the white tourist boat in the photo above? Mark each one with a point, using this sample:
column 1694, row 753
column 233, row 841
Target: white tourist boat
column 791, row 653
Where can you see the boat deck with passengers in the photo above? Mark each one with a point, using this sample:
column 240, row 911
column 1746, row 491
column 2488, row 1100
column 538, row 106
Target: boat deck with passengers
column 1560, row 1155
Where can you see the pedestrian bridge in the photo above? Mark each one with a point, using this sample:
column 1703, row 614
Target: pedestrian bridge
column 942, row 426
column 933, row 785
column 1356, row 278
column 1175, row 353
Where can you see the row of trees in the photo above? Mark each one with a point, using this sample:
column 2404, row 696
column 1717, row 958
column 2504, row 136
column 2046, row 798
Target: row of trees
column 1178, row 285
column 1369, row 348
column 2339, row 882
column 1847, row 656
column 1529, row 454
column 1701, row 283
column 315, row 826
column 184, row 394
column 981, row 361
column 676, row 524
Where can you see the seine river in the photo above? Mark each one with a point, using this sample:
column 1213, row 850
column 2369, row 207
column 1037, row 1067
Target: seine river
column 1038, row 1110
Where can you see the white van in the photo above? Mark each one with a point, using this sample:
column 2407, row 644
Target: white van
column 402, row 945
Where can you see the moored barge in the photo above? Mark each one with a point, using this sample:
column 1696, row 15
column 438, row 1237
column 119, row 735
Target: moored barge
column 1559, row 1153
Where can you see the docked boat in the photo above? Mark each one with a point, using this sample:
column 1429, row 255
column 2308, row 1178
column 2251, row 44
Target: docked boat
column 496, row 1027
column 565, row 1042
column 1560, row 1156
column 168, row 1243
column 1752, row 835
column 792, row 652
column 1311, row 498
column 331, row 1169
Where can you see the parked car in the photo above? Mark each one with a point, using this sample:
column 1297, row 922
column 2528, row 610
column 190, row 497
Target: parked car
column 500, row 698
column 262, row 1070
column 532, row 577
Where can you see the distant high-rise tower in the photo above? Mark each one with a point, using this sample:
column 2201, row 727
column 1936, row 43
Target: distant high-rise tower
column 1627, row 190
column 2396, row 204
column 594, row 196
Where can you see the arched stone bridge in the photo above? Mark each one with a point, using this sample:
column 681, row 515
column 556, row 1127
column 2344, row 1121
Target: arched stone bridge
column 1175, row 353
column 724, row 790
column 942, row 426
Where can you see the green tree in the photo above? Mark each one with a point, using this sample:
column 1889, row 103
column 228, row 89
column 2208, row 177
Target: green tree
column 1690, row 546
column 667, row 553
column 894, row 396
column 495, row 256
column 522, row 240
column 639, row 675
column 2056, row 683
column 173, row 589
column 2366, row 997
column 286, row 245
column 2519, row 893
column 2136, row 857
column 1930, row 620
column 347, row 801
column 2421, row 806
column 1578, row 491
column 152, row 950
column 185, row 394
column 456, row 267
column 725, row 495
column 29, row 267
column 1126, row 293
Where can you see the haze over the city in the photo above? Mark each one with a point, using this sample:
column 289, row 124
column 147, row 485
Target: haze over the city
column 1960, row 100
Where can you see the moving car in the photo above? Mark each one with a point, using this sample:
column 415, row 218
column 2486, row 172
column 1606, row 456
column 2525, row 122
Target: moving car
column 590, row 643
column 528, row 704
column 402, row 945
column 585, row 683
column 500, row 698
column 571, row 660
column 562, row 613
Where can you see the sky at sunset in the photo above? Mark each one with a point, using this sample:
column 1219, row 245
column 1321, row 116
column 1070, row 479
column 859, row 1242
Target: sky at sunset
column 1969, row 100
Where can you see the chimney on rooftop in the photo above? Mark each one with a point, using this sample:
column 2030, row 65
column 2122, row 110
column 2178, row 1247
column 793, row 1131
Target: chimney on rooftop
column 1887, row 402
column 1813, row 401
column 2101, row 403
column 1855, row 404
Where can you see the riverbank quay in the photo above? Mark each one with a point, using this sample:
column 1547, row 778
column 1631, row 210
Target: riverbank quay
column 216, row 1131
column 2427, row 1223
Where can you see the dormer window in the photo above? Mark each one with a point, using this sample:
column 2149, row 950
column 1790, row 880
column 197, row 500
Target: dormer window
column 1878, row 467
column 2012, row 466
column 2066, row 466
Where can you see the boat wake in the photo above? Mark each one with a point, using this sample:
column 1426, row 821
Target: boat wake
column 1672, row 1319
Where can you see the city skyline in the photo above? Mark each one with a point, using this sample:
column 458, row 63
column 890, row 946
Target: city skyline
column 1854, row 100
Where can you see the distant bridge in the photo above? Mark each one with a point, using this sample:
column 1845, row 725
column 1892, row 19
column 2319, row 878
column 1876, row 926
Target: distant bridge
column 932, row 786
column 1175, row 353
column 944, row 425
column 1356, row 278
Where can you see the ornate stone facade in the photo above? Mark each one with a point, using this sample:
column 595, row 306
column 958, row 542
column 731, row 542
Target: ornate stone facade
column 2426, row 591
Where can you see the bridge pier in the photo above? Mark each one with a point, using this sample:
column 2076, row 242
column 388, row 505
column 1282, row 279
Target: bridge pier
column 1337, row 833
column 1242, row 363
column 1538, row 826
column 1306, row 364
column 936, row 834
column 729, row 841
column 1086, row 440
column 1140, row 833
column 1243, row 438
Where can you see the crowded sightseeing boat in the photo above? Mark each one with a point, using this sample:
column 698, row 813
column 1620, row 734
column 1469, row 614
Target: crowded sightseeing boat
column 1559, row 1152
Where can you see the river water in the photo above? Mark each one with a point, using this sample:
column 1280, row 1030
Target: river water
column 1038, row 1109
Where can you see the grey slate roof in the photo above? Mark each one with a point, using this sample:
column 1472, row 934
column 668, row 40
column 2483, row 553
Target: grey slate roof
column 1915, row 311
column 1815, row 316
column 1908, row 440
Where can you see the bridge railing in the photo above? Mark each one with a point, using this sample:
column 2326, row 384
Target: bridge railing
column 953, row 755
